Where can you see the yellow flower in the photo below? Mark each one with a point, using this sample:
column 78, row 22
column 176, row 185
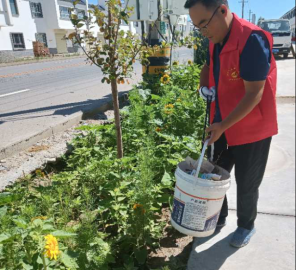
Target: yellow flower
column 169, row 106
column 40, row 173
column 168, row 112
column 136, row 206
column 165, row 79
column 190, row 62
column 140, row 207
column 158, row 129
column 175, row 63
column 195, row 47
column 51, row 247
column 178, row 100
column 120, row 81
column 41, row 217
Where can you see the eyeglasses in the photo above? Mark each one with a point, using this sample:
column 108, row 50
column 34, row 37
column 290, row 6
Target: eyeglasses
column 205, row 27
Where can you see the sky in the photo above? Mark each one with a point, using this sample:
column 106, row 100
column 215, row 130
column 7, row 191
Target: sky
column 268, row 9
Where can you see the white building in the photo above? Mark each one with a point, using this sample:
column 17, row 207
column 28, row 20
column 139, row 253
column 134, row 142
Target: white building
column 25, row 21
column 17, row 29
column 133, row 27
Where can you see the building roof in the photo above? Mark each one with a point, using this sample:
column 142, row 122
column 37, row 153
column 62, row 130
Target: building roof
column 290, row 14
column 81, row 2
column 101, row 8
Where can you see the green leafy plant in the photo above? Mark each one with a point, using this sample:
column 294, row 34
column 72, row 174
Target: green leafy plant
column 106, row 212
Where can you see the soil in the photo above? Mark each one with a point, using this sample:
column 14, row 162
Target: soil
column 175, row 248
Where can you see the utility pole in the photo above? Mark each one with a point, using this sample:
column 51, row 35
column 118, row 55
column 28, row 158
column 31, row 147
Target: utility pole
column 243, row 6
column 250, row 13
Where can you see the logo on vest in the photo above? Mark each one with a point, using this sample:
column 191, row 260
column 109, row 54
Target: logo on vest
column 233, row 74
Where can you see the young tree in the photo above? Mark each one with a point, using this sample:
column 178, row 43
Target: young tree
column 115, row 53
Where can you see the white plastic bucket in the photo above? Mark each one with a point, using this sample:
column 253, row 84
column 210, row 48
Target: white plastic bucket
column 197, row 202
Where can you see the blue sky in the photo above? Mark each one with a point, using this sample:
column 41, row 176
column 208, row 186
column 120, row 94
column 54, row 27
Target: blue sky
column 268, row 9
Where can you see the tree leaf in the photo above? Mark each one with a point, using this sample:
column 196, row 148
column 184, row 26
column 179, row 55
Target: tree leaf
column 6, row 198
column 141, row 255
column 3, row 211
column 63, row 234
column 27, row 266
column 166, row 180
column 80, row 25
column 4, row 237
column 68, row 258
column 155, row 97
column 20, row 223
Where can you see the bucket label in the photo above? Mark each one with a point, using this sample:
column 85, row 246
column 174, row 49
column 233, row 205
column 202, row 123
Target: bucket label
column 211, row 222
column 178, row 211
column 195, row 214
column 191, row 215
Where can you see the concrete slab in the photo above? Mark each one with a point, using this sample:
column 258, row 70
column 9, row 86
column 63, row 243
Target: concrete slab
column 271, row 248
column 286, row 77
column 277, row 192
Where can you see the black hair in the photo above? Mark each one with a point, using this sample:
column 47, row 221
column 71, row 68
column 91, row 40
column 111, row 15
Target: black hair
column 209, row 4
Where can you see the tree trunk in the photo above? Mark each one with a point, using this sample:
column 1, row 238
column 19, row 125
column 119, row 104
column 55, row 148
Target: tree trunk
column 117, row 118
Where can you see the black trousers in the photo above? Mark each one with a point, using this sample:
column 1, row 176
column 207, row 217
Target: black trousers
column 250, row 162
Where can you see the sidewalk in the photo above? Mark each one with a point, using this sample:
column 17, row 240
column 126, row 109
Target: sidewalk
column 273, row 246
column 41, row 60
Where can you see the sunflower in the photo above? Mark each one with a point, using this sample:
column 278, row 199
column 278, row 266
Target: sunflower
column 165, row 79
column 195, row 47
column 190, row 62
column 51, row 247
column 175, row 63
column 168, row 109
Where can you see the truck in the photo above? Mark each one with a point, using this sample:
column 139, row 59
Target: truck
column 282, row 35
column 290, row 15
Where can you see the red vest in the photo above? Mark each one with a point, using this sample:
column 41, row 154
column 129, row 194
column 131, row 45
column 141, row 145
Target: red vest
column 261, row 122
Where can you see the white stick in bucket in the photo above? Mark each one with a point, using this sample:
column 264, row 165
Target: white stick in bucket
column 201, row 158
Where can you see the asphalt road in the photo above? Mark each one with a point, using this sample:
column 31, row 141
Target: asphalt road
column 37, row 96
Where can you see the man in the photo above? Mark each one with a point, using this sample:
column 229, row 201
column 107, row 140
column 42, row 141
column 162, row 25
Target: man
column 242, row 68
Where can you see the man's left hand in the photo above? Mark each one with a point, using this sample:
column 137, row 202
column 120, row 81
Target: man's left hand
column 216, row 131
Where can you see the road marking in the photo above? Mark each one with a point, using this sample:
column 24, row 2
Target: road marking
column 13, row 93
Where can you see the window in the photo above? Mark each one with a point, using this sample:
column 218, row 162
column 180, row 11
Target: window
column 41, row 37
column 17, row 40
column 65, row 13
column 13, row 7
column 36, row 10
column 81, row 14
column 273, row 26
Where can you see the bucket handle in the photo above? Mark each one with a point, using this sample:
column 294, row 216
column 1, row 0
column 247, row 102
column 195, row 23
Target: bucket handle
column 202, row 156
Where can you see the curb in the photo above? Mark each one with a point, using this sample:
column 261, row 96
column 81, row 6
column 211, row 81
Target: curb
column 71, row 121
column 285, row 99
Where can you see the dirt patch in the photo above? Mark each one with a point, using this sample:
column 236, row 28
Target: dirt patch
column 175, row 248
